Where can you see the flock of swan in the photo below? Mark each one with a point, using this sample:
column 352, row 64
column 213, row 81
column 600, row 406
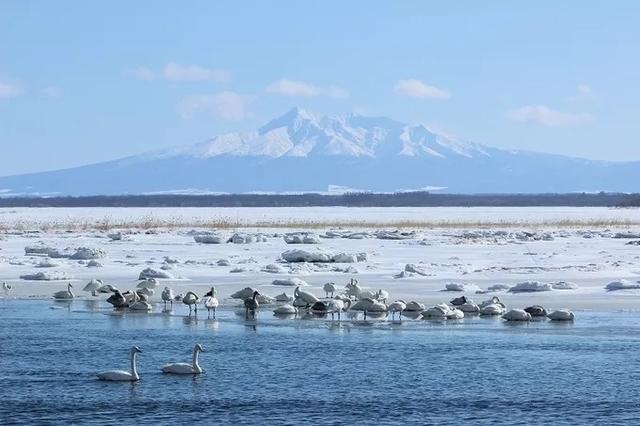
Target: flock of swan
column 353, row 299
column 172, row 368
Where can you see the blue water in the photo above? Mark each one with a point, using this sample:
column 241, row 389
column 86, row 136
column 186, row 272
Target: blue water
column 313, row 371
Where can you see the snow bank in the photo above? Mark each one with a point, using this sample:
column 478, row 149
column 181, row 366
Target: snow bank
column 530, row 287
column 290, row 282
column 46, row 276
column 87, row 253
column 301, row 238
column 154, row 273
column 320, row 255
column 622, row 285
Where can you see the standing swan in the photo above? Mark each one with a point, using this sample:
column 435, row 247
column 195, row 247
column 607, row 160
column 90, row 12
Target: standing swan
column 251, row 305
column 329, row 289
column 211, row 302
column 167, row 296
column 120, row 375
column 184, row 367
column 64, row 294
column 191, row 299
column 7, row 288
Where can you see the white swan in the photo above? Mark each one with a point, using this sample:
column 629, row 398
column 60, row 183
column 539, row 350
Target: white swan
column 495, row 300
column 329, row 289
column 93, row 286
column 492, row 309
column 414, row 306
column 338, row 305
column 283, row 298
column 149, row 283
column 303, row 299
column 469, row 307
column 191, row 300
column 397, row 307
column 369, row 305
column 120, row 375
column 382, row 295
column 517, row 315
column 183, row 367
column 211, row 302
column 146, row 291
column 7, row 288
column 167, row 296
column 443, row 311
column 285, row 309
column 561, row 315
column 139, row 303
column 251, row 305
column 353, row 289
column 64, row 294
column 536, row 311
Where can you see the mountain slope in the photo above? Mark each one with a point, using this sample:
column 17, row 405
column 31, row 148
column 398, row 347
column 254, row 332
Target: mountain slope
column 302, row 152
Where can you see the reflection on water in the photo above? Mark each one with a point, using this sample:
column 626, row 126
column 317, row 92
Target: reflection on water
column 288, row 370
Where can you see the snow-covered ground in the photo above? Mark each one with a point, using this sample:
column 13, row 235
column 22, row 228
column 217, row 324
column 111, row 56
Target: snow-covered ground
column 430, row 258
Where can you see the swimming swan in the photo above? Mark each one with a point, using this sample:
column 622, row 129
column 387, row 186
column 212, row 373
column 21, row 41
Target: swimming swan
column 561, row 315
column 120, row 375
column 184, row 367
column 64, row 294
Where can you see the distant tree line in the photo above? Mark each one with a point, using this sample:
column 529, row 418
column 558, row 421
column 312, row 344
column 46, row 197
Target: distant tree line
column 360, row 199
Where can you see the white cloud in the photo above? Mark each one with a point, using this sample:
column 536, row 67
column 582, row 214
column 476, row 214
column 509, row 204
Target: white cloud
column 177, row 72
column 583, row 89
column 417, row 89
column 286, row 87
column 143, row 73
column 228, row 106
column 8, row 90
column 546, row 116
column 52, row 92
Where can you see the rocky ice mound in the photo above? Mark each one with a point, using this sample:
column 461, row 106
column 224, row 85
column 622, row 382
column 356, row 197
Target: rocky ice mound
column 290, row 282
column 530, row 287
column 46, row 276
column 321, row 256
column 242, row 238
column 87, row 253
column 301, row 238
column 460, row 287
column 154, row 273
column 564, row 285
column 622, row 285
column 209, row 238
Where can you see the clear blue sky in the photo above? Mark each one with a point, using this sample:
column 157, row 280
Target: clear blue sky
column 85, row 81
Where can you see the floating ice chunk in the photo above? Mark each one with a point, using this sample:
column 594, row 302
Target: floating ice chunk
column 498, row 287
column 290, row 282
column 530, row 287
column 223, row 262
column 245, row 293
column 47, row 263
column 320, row 255
column 564, row 285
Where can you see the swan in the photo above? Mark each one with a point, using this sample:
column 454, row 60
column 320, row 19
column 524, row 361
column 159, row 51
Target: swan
column 536, row 311
column 64, row 294
column 7, row 288
column 283, row 298
column 414, row 306
column 492, row 309
column 495, row 300
column 397, row 306
column 93, row 286
column 285, row 309
column 303, row 298
column 183, row 367
column 561, row 315
column 329, row 288
column 458, row 301
column 469, row 307
column 191, row 299
column 117, row 300
column 167, row 296
column 210, row 302
column 382, row 295
column 149, row 283
column 369, row 305
column 353, row 289
column 443, row 311
column 139, row 303
column 179, row 297
column 107, row 288
column 251, row 304
column 517, row 315
column 319, row 308
column 120, row 375
column 338, row 305
column 146, row 291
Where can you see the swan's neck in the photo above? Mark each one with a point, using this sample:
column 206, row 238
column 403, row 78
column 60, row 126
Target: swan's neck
column 69, row 290
column 134, row 370
column 196, row 366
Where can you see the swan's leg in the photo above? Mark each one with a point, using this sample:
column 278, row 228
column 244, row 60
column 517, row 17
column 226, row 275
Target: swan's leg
column 214, row 312
column 365, row 314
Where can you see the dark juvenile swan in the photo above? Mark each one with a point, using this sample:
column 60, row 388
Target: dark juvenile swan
column 251, row 305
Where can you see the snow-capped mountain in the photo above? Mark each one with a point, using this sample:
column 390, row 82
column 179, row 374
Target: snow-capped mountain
column 300, row 151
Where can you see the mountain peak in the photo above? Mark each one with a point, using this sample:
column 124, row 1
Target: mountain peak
column 292, row 118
